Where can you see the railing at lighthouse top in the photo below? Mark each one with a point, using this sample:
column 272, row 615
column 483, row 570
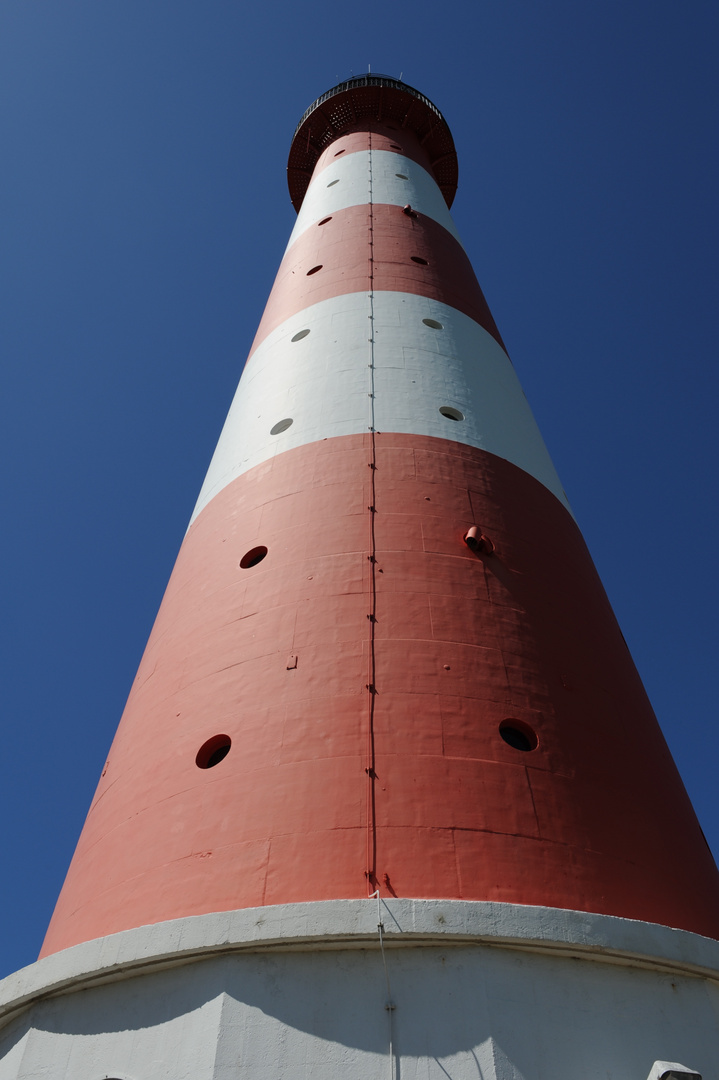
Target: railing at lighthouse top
column 371, row 98
column 368, row 80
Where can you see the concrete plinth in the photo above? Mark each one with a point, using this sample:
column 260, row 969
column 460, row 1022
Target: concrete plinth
column 480, row 990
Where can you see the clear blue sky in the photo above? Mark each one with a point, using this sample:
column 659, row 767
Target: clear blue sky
column 144, row 214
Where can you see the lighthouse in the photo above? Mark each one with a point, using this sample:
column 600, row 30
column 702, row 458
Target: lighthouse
column 387, row 798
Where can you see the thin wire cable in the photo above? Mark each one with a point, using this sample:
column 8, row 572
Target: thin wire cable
column 389, row 1003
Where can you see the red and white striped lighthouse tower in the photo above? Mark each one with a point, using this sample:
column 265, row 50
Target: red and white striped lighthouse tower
column 385, row 703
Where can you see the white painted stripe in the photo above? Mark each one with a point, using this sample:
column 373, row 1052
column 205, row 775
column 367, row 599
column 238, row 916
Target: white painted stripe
column 322, row 383
column 352, row 189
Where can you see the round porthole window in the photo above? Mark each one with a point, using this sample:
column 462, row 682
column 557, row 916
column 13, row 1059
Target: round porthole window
column 299, row 335
column 281, row 426
column 213, row 751
column 518, row 735
column 450, row 413
column 254, row 556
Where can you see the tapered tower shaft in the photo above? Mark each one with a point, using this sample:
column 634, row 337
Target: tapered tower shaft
column 403, row 712
column 387, row 798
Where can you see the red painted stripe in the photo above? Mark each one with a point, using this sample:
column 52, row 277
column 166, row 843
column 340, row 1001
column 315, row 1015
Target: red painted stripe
column 341, row 249
column 394, row 140
column 276, row 657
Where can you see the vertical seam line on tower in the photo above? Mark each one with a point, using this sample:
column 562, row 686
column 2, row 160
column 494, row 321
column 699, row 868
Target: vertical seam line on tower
column 371, row 852
column 371, row 872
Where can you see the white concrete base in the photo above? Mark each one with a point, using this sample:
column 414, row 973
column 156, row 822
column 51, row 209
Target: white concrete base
column 480, row 991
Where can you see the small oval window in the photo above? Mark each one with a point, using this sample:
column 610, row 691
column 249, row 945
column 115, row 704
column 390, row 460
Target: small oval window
column 333, row 182
column 281, row 426
column 433, row 324
column 213, row 751
column 299, row 335
column 252, row 557
column 419, row 259
column 518, row 735
column 325, row 220
column 450, row 413
column 401, row 176
column 314, row 270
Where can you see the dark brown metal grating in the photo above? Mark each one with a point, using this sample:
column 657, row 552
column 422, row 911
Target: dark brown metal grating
column 370, row 97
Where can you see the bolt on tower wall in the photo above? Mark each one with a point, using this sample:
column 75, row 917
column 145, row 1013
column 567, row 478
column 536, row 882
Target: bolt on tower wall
column 385, row 666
